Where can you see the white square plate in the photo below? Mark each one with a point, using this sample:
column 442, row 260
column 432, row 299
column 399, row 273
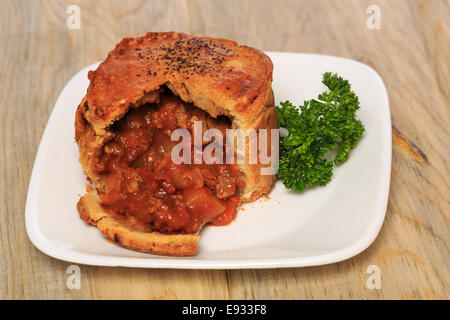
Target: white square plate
column 319, row 226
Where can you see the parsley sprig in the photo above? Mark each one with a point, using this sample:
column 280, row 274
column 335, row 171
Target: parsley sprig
column 320, row 128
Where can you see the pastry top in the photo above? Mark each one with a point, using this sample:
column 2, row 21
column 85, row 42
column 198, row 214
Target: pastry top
column 216, row 75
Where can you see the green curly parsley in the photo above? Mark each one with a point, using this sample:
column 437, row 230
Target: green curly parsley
column 323, row 127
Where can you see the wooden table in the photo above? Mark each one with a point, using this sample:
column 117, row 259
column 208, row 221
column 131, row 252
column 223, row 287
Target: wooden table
column 39, row 54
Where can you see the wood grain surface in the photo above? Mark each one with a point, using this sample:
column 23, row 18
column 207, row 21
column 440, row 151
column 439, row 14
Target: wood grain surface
column 39, row 54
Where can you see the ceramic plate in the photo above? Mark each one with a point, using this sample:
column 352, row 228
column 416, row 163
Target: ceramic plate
column 322, row 225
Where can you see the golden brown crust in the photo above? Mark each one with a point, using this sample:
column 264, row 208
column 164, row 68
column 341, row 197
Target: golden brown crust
column 256, row 184
column 130, row 233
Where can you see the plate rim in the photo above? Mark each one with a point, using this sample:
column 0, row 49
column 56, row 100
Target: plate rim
column 37, row 238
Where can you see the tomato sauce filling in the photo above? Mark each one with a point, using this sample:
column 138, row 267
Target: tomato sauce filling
column 143, row 181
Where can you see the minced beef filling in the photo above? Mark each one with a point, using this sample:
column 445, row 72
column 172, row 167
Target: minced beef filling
column 142, row 180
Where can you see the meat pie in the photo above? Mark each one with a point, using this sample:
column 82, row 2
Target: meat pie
column 147, row 88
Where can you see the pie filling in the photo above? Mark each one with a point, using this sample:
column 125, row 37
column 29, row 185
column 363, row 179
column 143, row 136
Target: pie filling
column 142, row 180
